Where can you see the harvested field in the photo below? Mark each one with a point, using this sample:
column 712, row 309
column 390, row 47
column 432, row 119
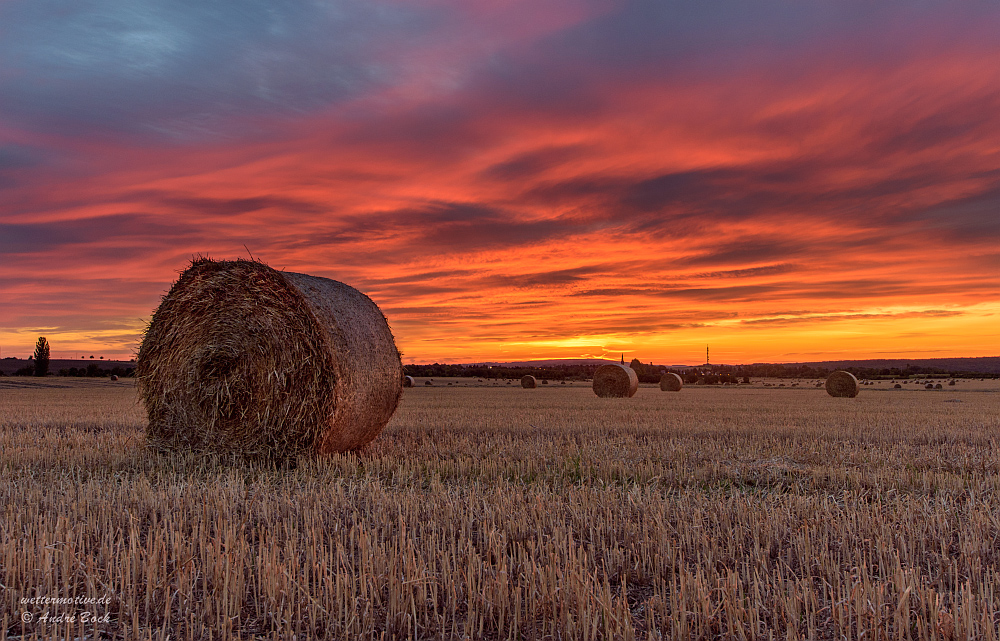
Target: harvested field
column 482, row 512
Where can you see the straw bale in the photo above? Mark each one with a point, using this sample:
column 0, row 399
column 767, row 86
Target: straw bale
column 528, row 381
column 842, row 384
column 615, row 380
column 408, row 381
column 671, row 382
column 241, row 358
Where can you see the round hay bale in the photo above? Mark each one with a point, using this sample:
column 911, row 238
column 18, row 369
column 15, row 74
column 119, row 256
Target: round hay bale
column 938, row 386
column 428, row 383
column 528, row 381
column 929, row 386
column 114, row 377
column 615, row 380
column 842, row 384
column 408, row 381
column 671, row 382
column 897, row 386
column 241, row 358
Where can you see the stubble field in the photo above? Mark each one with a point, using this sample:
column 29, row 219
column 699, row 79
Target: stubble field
column 488, row 511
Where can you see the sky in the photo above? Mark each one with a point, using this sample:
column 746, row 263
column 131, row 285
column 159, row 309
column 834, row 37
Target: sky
column 514, row 180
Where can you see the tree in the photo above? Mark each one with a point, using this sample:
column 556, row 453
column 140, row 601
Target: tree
column 637, row 366
column 41, row 357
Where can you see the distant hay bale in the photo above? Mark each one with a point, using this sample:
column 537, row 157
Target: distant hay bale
column 938, row 386
column 114, row 377
column 671, row 382
column 842, row 384
column 951, row 382
column 241, row 358
column 428, row 383
column 408, row 381
column 615, row 380
column 929, row 386
column 897, row 386
column 528, row 381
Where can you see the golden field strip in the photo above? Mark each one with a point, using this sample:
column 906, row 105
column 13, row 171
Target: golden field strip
column 490, row 511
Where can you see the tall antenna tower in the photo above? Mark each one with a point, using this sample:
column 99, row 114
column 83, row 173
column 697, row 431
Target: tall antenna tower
column 706, row 355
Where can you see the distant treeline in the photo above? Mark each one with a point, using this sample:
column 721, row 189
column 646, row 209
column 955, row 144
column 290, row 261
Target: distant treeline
column 770, row 370
column 92, row 370
column 650, row 373
column 647, row 373
column 556, row 373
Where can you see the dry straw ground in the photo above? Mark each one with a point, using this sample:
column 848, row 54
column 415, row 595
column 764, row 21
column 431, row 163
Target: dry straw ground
column 484, row 512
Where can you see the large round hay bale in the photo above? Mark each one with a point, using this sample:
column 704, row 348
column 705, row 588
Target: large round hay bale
column 241, row 358
column 528, row 381
column 842, row 384
column 671, row 382
column 114, row 377
column 408, row 381
column 615, row 380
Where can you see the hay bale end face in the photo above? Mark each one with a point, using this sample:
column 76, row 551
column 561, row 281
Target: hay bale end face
column 528, row 381
column 842, row 384
column 671, row 382
column 615, row 380
column 241, row 358
column 114, row 377
column 408, row 381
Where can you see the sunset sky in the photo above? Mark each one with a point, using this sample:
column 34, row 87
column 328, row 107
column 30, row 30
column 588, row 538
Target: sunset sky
column 782, row 181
